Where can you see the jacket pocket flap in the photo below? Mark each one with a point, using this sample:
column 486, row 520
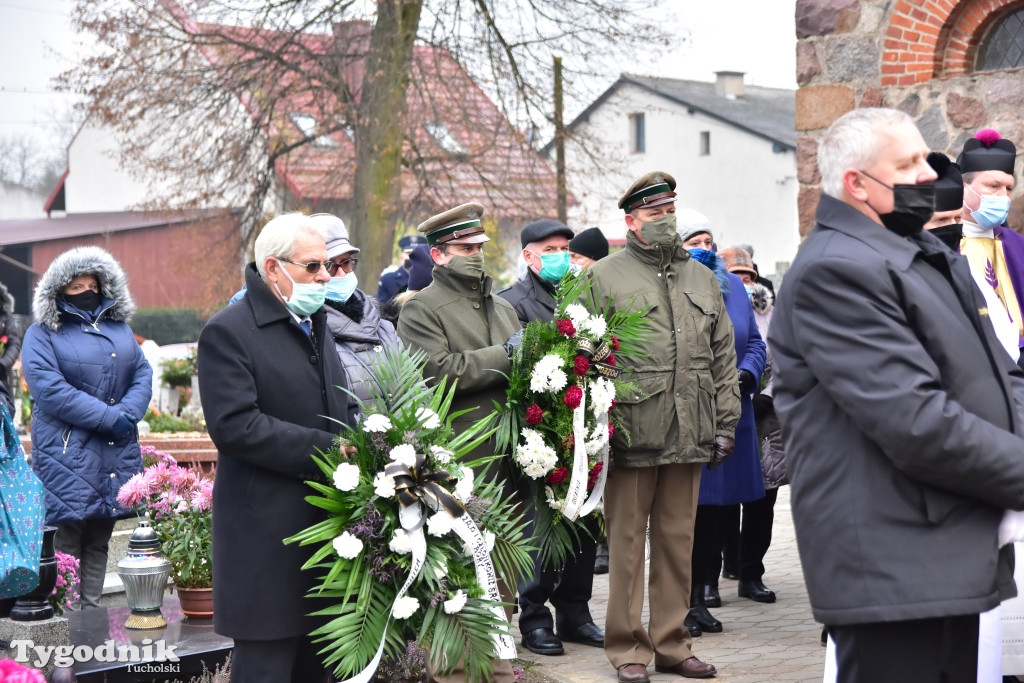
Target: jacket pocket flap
column 646, row 387
column 704, row 302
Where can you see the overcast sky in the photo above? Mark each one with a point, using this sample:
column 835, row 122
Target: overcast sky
column 753, row 36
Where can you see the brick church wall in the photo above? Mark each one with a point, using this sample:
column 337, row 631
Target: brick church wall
column 913, row 55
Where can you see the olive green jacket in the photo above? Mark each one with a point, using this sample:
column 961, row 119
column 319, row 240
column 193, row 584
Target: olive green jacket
column 689, row 391
column 462, row 327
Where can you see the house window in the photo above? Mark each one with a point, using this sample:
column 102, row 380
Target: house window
column 705, row 143
column 307, row 125
column 637, row 133
column 1003, row 46
column 444, row 137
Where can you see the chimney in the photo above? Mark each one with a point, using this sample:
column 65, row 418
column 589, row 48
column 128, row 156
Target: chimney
column 729, row 84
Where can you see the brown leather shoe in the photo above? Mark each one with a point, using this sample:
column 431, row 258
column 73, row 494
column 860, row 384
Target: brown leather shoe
column 688, row 668
column 633, row 673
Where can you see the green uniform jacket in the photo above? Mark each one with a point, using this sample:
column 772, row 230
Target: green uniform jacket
column 462, row 328
column 689, row 391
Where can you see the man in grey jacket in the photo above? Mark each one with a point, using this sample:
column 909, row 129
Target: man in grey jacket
column 901, row 416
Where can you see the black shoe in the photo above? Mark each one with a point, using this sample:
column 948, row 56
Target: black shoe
column 711, row 596
column 703, row 617
column 692, row 626
column 542, row 641
column 586, row 634
column 755, row 590
column 601, row 561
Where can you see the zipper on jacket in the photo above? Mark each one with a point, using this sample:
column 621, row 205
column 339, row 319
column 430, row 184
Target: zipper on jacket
column 66, row 437
column 94, row 325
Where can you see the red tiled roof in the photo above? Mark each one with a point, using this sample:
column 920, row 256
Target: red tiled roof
column 441, row 91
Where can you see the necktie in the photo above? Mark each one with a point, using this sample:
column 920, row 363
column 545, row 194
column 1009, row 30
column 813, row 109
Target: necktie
column 306, row 326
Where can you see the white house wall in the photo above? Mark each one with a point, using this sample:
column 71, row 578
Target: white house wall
column 96, row 181
column 748, row 192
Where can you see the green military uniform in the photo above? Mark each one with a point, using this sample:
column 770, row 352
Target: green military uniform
column 462, row 327
column 689, row 394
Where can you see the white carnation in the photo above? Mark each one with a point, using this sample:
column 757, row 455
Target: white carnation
column 404, row 454
column 464, row 487
column 347, row 545
column 429, row 418
column 557, row 380
column 346, row 477
column 547, row 374
column 405, row 607
column 489, row 539
column 441, row 455
column 384, row 485
column 602, row 393
column 596, row 326
column 376, row 423
column 440, row 524
column 456, row 603
column 401, row 543
column 578, row 314
column 553, row 503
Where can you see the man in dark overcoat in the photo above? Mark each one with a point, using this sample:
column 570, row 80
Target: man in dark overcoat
column 272, row 390
column 901, row 416
column 569, row 588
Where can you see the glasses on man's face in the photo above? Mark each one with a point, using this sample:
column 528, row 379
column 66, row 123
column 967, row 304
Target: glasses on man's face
column 346, row 264
column 313, row 267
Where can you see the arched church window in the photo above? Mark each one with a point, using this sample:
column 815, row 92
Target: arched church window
column 1003, row 45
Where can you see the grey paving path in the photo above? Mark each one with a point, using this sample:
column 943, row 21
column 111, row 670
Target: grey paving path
column 778, row 642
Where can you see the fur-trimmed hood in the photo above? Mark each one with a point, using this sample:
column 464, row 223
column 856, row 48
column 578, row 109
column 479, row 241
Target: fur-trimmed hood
column 761, row 299
column 6, row 300
column 79, row 261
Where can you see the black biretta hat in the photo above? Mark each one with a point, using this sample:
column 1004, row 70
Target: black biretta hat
column 987, row 151
column 949, row 187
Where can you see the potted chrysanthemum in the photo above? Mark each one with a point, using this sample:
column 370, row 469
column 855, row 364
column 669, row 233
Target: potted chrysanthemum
column 179, row 503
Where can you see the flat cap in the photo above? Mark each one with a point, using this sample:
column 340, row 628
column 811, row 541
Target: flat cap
column 335, row 234
column 461, row 225
column 591, row 243
column 987, row 151
column 949, row 186
column 409, row 242
column 653, row 189
column 543, row 229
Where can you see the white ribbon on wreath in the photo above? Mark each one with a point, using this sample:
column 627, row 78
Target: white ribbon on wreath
column 577, row 504
column 411, row 519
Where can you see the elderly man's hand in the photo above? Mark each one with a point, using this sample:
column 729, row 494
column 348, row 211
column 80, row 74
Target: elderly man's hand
column 349, row 450
column 724, row 446
column 513, row 342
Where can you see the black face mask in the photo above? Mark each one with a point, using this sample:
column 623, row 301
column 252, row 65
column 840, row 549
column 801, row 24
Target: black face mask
column 912, row 207
column 84, row 301
column 950, row 235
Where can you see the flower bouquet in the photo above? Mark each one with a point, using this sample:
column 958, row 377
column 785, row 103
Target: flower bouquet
column 180, row 504
column 558, row 419
column 65, row 593
column 413, row 543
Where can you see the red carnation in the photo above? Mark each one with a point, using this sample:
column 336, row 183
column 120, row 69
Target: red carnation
column 569, row 443
column 595, row 472
column 557, row 476
column 611, row 430
column 534, row 414
column 573, row 396
column 581, row 365
column 615, row 343
column 615, row 402
column 566, row 327
column 610, row 360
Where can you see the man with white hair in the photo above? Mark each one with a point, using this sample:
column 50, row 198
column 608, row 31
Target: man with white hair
column 901, row 416
column 272, row 388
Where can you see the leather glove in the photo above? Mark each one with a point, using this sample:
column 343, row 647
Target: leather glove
column 763, row 407
column 724, row 446
column 748, row 383
column 123, row 426
column 512, row 343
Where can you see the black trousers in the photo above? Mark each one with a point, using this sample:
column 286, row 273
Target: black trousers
column 568, row 590
column 89, row 541
column 941, row 650
column 277, row 661
column 743, row 544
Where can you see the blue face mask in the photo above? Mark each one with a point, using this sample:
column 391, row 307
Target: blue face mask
column 553, row 266
column 993, row 210
column 306, row 298
column 340, row 288
column 750, row 290
column 704, row 256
